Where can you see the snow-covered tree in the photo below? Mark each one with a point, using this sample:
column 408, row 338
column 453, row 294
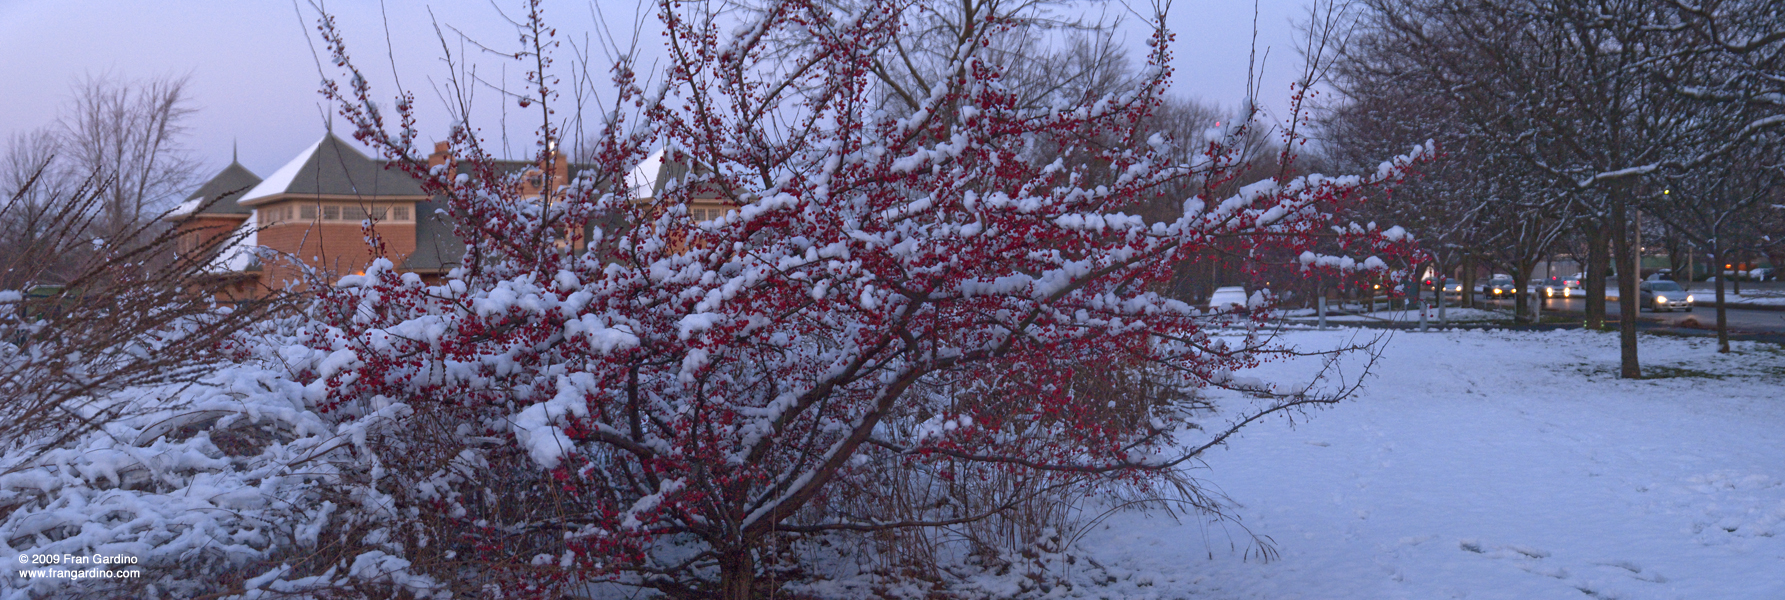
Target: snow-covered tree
column 1592, row 95
column 1712, row 208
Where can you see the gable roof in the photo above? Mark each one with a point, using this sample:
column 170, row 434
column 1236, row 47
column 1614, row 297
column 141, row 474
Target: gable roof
column 332, row 167
column 229, row 185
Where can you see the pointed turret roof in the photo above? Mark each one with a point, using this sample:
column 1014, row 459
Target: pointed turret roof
column 332, row 167
column 228, row 184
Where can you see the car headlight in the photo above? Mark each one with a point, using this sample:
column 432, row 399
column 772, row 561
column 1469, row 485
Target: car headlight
column 1660, row 299
column 1689, row 299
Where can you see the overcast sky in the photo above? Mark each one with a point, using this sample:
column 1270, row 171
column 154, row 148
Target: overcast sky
column 255, row 82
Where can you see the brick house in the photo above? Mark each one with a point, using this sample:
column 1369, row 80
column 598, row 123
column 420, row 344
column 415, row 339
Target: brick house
column 310, row 211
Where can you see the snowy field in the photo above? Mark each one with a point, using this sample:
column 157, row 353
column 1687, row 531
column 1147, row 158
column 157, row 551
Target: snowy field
column 1490, row 465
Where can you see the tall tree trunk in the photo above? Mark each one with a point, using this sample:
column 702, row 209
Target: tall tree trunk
column 1521, row 292
column 1594, row 285
column 1468, row 281
column 1627, row 281
column 1722, row 314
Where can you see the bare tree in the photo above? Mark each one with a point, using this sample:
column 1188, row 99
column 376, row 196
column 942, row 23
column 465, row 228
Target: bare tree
column 29, row 183
column 129, row 133
column 1379, row 106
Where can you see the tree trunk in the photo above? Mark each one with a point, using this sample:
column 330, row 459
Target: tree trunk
column 1521, row 281
column 737, row 574
column 1468, row 299
column 1627, row 282
column 1594, row 283
column 1722, row 314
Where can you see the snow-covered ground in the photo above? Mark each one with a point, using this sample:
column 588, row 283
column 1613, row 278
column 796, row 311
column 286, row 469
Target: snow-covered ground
column 1481, row 464
column 1753, row 297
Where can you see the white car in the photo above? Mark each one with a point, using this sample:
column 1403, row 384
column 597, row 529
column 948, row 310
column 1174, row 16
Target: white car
column 1228, row 298
column 1663, row 296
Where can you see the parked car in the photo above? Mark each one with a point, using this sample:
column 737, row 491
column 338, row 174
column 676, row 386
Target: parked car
column 1499, row 286
column 1763, row 274
column 1663, row 296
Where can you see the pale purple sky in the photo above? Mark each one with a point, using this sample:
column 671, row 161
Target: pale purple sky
column 255, row 82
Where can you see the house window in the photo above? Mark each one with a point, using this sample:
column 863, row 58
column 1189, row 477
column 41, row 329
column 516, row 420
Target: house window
column 273, row 216
column 345, row 213
column 706, row 213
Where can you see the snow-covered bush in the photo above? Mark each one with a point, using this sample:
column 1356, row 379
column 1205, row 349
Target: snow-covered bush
column 673, row 397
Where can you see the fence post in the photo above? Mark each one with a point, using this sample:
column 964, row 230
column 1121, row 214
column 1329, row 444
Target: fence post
column 1322, row 311
column 1422, row 317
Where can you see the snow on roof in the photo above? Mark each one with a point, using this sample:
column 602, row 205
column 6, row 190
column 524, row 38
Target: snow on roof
column 643, row 179
column 185, row 209
column 281, row 179
column 242, row 249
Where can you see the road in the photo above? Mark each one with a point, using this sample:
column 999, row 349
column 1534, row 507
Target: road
column 1757, row 321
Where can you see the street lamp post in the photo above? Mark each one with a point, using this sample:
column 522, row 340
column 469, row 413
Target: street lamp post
column 1691, row 253
column 1637, row 244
